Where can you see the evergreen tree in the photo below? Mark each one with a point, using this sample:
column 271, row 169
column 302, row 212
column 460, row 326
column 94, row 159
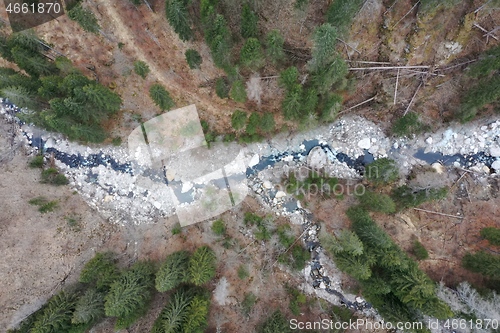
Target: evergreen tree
column 492, row 235
column 382, row 171
column 238, row 119
column 196, row 315
column 253, row 123
column 202, row 265
column 85, row 18
column 377, row 202
column 248, row 22
column 178, row 17
column 56, row 316
column 276, row 323
column 238, row 92
column 193, row 58
column 289, row 78
column 251, row 54
column 89, row 307
column 161, row 97
column 274, row 46
column 131, row 293
column 325, row 41
column 173, row 271
column 101, row 270
column 141, row 68
column 267, row 122
column 292, row 103
column 341, row 13
column 174, row 314
column 19, row 96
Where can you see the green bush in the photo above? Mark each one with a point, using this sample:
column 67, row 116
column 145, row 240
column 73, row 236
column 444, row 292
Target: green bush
column 56, row 316
column 52, row 176
column 161, row 97
column 36, row 162
column 89, row 307
column 329, row 107
column 492, row 235
column 238, row 92
column 193, row 58
column 222, row 87
column 85, row 18
column 178, row 17
column 219, row 227
column 377, row 202
column 248, row 303
column 382, row 171
column 407, row 125
column 44, row 206
column 238, row 119
column 419, row 251
column 141, row 68
column 243, row 272
column 325, row 41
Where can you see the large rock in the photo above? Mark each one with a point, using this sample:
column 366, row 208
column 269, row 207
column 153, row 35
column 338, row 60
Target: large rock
column 364, row 143
column 496, row 165
column 317, row 158
column 495, row 151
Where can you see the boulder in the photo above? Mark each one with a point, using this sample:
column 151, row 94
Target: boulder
column 317, row 158
column 495, row 151
column 364, row 143
column 496, row 165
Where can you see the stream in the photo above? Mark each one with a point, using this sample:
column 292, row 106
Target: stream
column 87, row 164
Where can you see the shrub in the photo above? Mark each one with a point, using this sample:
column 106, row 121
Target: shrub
column 248, row 303
column 238, row 119
column 276, row 323
column 243, row 272
column 161, row 97
column 218, row 227
column 382, row 171
column 141, row 68
column 36, row 162
column 89, row 307
column 251, row 54
column 289, row 78
column 52, row 176
column 377, row 202
column 85, row 18
column 193, row 58
column 407, row 125
column 222, row 87
column 329, row 107
column 56, row 316
column 238, row 92
column 492, row 235
column 419, row 251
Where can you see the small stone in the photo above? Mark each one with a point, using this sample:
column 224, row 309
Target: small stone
column 396, row 145
column 428, row 140
column 486, row 169
column 364, row 143
column 456, row 164
column 170, row 174
column 484, row 128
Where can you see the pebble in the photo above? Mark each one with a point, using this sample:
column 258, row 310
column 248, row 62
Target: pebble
column 429, row 140
column 364, row 143
column 496, row 165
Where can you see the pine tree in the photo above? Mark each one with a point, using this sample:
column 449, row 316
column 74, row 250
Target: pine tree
column 238, row 92
column 174, row 314
column 89, row 307
column 274, row 46
column 131, row 293
column 196, row 315
column 161, row 97
column 193, row 58
column 101, row 270
column 325, row 41
column 248, row 22
column 202, row 265
column 251, row 54
column 178, row 17
column 239, row 119
column 173, row 271
column 56, row 317
column 377, row 202
column 141, row 68
column 289, row 78
column 267, row 122
column 19, row 96
column 292, row 103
